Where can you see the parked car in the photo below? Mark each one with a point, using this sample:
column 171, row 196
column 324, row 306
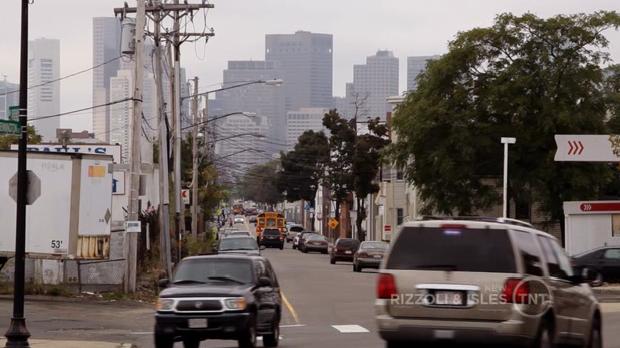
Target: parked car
column 343, row 250
column 252, row 219
column 238, row 244
column 239, row 219
column 225, row 297
column 314, row 242
column 495, row 282
column 369, row 255
column 293, row 230
column 272, row 237
column 298, row 237
column 606, row 261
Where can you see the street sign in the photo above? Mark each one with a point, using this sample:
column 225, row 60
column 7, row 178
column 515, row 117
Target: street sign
column 34, row 187
column 185, row 196
column 9, row 127
column 133, row 226
column 587, row 148
column 14, row 113
column 333, row 223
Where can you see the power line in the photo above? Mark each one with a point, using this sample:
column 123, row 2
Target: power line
column 65, row 77
column 83, row 109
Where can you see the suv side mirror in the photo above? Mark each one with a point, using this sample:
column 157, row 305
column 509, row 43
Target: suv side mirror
column 163, row 283
column 264, row 282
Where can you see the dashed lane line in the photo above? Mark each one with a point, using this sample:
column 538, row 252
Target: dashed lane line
column 350, row 328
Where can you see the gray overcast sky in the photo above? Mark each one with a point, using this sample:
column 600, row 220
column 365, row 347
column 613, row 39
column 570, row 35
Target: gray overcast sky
column 360, row 27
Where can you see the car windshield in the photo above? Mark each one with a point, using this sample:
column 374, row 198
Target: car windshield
column 348, row 243
column 374, row 245
column 213, row 270
column 238, row 244
column 315, row 237
column 296, row 229
column 453, row 249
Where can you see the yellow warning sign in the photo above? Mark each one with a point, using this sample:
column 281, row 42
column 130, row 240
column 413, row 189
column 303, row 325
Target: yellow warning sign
column 333, row 223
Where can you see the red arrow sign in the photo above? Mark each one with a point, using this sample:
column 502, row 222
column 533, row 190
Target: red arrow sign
column 575, row 147
column 600, row 206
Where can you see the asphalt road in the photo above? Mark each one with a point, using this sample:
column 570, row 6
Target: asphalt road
column 320, row 296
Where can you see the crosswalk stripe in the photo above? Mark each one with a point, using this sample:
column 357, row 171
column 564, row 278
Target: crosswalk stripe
column 350, row 328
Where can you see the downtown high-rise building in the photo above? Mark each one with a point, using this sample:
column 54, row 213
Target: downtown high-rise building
column 415, row 66
column 306, row 62
column 9, row 96
column 239, row 142
column 106, row 48
column 43, row 95
column 303, row 120
column 266, row 101
column 373, row 82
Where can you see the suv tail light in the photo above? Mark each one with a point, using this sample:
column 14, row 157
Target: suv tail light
column 516, row 291
column 386, row 286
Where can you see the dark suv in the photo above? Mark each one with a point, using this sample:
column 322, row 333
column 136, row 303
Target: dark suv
column 343, row 250
column 229, row 297
column 272, row 238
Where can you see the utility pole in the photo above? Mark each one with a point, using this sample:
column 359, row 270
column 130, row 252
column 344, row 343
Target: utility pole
column 17, row 334
column 176, row 109
column 164, row 190
column 136, row 138
column 195, row 121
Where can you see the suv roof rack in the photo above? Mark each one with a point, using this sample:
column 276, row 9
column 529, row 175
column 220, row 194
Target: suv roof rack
column 479, row 218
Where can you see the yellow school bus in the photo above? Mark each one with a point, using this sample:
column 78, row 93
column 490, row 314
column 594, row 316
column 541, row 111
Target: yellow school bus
column 270, row 220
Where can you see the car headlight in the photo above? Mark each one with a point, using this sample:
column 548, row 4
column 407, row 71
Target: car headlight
column 165, row 305
column 235, row 304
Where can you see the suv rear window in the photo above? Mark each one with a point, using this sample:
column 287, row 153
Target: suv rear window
column 348, row 243
column 272, row 232
column 453, row 249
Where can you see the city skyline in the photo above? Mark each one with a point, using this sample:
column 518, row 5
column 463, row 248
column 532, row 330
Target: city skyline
column 404, row 27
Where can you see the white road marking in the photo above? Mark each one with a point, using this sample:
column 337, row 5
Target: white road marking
column 293, row 325
column 350, row 328
column 260, row 338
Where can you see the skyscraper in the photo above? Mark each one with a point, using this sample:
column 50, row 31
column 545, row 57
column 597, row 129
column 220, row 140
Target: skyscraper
column 265, row 101
column 306, row 60
column 373, row 82
column 297, row 122
column 44, row 100
column 237, row 142
column 415, row 65
column 106, row 46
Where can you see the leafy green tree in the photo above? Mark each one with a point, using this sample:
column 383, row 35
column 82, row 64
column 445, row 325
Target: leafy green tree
column 525, row 77
column 260, row 184
column 366, row 163
column 7, row 140
column 339, row 174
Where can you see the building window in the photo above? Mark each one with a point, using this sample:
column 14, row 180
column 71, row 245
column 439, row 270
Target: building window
column 615, row 225
column 400, row 217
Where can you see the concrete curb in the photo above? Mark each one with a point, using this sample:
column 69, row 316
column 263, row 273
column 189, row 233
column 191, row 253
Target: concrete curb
column 607, row 293
column 85, row 299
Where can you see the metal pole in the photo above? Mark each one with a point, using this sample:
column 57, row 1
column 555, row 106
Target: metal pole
column 17, row 334
column 195, row 162
column 505, row 198
column 136, row 138
column 164, row 190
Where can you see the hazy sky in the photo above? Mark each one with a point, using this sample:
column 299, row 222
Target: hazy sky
column 360, row 28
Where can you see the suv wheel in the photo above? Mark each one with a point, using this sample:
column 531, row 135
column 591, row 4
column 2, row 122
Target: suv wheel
column 332, row 260
column 248, row 339
column 394, row 344
column 545, row 337
column 273, row 339
column 596, row 339
column 282, row 246
column 356, row 268
column 191, row 343
column 162, row 341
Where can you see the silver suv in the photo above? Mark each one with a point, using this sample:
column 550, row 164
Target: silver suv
column 493, row 281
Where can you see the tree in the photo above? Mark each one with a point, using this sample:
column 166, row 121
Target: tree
column 303, row 168
column 7, row 140
column 525, row 77
column 366, row 163
column 339, row 177
column 260, row 184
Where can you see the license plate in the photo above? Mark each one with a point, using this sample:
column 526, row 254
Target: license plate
column 449, row 298
column 348, row 252
column 443, row 334
column 197, row 323
column 377, row 256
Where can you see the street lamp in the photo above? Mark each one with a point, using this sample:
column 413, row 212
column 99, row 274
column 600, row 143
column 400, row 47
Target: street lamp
column 506, row 142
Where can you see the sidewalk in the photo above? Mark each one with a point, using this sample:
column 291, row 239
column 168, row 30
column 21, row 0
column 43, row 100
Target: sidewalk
column 73, row 344
column 607, row 293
